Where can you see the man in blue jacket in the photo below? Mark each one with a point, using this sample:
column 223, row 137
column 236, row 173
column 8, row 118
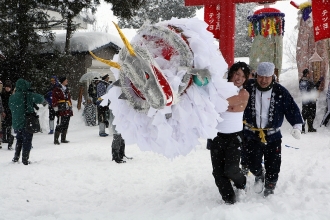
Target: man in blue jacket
column 268, row 103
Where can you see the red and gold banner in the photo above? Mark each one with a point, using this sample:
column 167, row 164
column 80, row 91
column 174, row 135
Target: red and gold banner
column 321, row 19
column 212, row 18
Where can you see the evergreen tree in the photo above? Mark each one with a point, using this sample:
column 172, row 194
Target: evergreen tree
column 157, row 10
column 69, row 9
column 125, row 8
column 243, row 42
column 24, row 30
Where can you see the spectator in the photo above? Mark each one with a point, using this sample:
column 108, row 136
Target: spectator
column 309, row 94
column 102, row 111
column 268, row 103
column 20, row 104
column 90, row 113
column 92, row 89
column 62, row 104
column 226, row 146
column 48, row 97
column 7, row 118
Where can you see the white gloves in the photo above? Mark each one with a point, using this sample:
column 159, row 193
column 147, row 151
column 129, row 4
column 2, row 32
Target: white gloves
column 296, row 133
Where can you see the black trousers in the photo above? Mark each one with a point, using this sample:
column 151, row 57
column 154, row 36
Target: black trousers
column 225, row 157
column 308, row 110
column 52, row 113
column 63, row 123
column 103, row 114
column 272, row 158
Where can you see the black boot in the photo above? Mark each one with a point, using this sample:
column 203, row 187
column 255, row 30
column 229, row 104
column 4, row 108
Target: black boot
column 310, row 125
column 122, row 150
column 56, row 136
column 17, row 154
column 303, row 128
column 259, row 181
column 269, row 188
column 116, row 156
column 10, row 142
column 4, row 135
column 116, row 145
column 25, row 157
column 63, row 137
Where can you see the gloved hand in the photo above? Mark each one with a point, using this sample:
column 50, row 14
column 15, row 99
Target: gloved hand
column 296, row 133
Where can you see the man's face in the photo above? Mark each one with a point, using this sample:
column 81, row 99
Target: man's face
column 65, row 82
column 238, row 78
column 264, row 81
column 7, row 88
column 52, row 81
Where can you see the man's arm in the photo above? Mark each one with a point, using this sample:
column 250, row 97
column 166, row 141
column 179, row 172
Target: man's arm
column 238, row 102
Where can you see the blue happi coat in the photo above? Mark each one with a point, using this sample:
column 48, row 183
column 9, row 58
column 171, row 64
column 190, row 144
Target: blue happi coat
column 281, row 104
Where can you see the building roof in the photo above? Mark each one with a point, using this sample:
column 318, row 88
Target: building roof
column 85, row 41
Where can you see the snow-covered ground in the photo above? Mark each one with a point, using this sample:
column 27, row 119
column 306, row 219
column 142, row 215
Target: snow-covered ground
column 78, row 180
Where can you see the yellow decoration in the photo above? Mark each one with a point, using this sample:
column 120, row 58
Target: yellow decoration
column 272, row 27
column 124, row 39
column 108, row 62
column 264, row 26
column 250, row 29
column 305, row 5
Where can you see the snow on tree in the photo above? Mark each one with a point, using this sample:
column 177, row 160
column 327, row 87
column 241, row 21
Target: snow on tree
column 158, row 10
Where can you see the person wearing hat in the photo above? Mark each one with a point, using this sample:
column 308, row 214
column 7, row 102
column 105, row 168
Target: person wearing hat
column 263, row 116
column 7, row 137
column 48, row 98
column 92, row 89
column 309, row 95
column 62, row 104
column 102, row 111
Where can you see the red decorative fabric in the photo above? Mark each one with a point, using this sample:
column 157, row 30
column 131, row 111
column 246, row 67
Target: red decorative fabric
column 212, row 18
column 321, row 19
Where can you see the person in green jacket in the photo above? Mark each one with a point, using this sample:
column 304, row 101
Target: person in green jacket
column 21, row 103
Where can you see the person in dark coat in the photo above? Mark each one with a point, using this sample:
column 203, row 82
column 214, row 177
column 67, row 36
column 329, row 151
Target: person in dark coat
column 268, row 103
column 62, row 104
column 7, row 137
column 20, row 104
column 48, row 97
column 92, row 89
column 102, row 111
column 309, row 94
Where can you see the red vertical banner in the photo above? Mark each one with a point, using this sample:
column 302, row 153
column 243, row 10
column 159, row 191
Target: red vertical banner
column 212, row 18
column 321, row 19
